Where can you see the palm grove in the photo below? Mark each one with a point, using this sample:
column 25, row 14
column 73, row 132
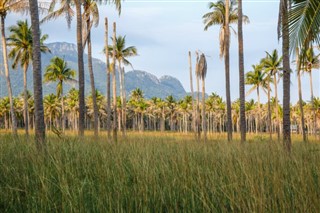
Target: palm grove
column 298, row 30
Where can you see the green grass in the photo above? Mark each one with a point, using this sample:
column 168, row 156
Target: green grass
column 158, row 173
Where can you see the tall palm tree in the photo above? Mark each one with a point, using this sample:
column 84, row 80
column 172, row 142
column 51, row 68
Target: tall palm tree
column 243, row 128
column 311, row 61
column 257, row 78
column 202, row 75
column 272, row 65
column 91, row 17
column 37, row 76
column 284, row 13
column 114, row 88
column 108, row 71
column 7, row 6
column 224, row 14
column 20, row 40
column 59, row 71
column 192, row 94
column 121, row 54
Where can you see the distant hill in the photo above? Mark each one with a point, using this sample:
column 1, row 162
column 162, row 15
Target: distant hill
column 150, row 84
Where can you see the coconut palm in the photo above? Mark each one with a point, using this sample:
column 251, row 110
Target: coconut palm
column 59, row 71
column 20, row 40
column 311, row 61
column 241, row 74
column 284, row 20
column 257, row 78
column 91, row 17
column 121, row 54
column 224, row 13
column 52, row 110
column 272, row 65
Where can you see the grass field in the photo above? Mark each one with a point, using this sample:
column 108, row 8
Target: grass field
column 158, row 173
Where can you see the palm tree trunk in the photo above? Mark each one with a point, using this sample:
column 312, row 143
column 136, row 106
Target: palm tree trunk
column 93, row 88
column 80, row 69
column 227, row 70
column 25, row 100
column 269, row 113
column 198, row 109
column 37, row 77
column 108, row 80
column 286, row 77
column 259, row 111
column 313, row 107
column 6, row 67
column 300, row 98
column 62, row 109
column 114, row 85
column 241, row 75
column 204, row 120
column 275, row 82
column 124, row 104
column 192, row 94
column 121, row 119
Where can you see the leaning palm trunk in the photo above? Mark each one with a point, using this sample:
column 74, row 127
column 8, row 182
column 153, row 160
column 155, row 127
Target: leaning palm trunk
column 108, row 81
column 227, row 70
column 93, row 89
column 80, row 69
column 286, row 76
column 6, row 67
column 114, row 85
column 25, row 100
column 241, row 75
column 37, row 77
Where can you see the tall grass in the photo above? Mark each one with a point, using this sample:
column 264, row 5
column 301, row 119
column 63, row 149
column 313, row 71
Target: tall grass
column 158, row 173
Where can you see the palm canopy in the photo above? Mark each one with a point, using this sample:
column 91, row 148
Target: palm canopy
column 304, row 23
column 272, row 63
column 13, row 6
column 217, row 17
column 122, row 52
column 257, row 78
column 20, row 40
column 58, row 70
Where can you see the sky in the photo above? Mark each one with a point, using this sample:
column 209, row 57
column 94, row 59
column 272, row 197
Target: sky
column 165, row 30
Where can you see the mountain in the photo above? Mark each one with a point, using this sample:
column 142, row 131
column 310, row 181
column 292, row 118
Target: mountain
column 148, row 83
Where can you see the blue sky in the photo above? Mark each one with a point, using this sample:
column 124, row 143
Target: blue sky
column 164, row 31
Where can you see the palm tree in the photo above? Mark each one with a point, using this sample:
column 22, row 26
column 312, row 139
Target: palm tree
column 311, row 61
column 202, row 72
column 256, row 78
column 114, row 88
column 284, row 10
column 91, row 16
column 272, row 65
column 224, row 14
column 192, row 94
column 171, row 102
column 108, row 70
column 121, row 54
column 20, row 40
column 52, row 110
column 37, row 76
column 7, row 6
column 241, row 75
column 58, row 70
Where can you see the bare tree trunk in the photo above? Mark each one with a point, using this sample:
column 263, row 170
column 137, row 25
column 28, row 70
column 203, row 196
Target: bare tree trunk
column 259, row 111
column 300, row 97
column 241, row 75
column 313, row 106
column 92, row 84
column 25, row 100
column 37, row 77
column 124, row 104
column 227, row 70
column 204, row 120
column 115, row 137
column 6, row 68
column 192, row 94
column 108, row 80
column 275, row 82
column 62, row 109
column 269, row 113
column 286, row 77
column 198, row 100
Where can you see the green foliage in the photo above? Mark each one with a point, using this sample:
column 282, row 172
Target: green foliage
column 158, row 173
